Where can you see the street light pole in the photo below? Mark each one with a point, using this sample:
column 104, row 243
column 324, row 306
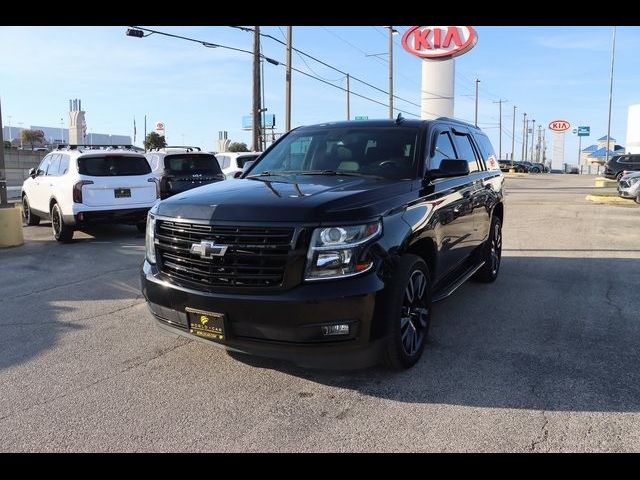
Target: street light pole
column 613, row 54
column 10, row 135
column 533, row 133
column 61, row 132
column 391, row 72
column 348, row 100
column 513, row 133
column 3, row 179
column 255, row 124
column 20, row 123
column 476, row 121
column 287, row 94
column 500, row 102
column 524, row 137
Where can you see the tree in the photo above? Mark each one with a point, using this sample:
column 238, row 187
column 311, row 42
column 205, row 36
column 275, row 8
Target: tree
column 154, row 140
column 238, row 147
column 32, row 136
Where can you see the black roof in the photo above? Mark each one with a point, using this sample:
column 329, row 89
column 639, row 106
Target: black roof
column 385, row 122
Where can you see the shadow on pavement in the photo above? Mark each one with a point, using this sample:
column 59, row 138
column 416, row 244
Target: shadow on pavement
column 550, row 334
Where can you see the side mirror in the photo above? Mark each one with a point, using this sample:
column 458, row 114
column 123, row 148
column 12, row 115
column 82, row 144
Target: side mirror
column 237, row 174
column 32, row 173
column 450, row 168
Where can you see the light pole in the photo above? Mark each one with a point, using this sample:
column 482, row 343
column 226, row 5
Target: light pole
column 10, row 135
column 61, row 130
column 392, row 32
column 613, row 54
column 533, row 133
column 287, row 94
column 255, row 124
column 500, row 102
column 3, row 181
column 513, row 133
column 524, row 137
column 20, row 123
column 476, row 121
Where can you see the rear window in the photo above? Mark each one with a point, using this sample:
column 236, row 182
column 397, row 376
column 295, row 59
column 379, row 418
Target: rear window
column 113, row 166
column 245, row 158
column 192, row 164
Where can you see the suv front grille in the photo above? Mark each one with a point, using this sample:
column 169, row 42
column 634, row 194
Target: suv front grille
column 256, row 257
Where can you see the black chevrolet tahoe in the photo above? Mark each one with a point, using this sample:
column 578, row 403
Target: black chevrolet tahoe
column 330, row 250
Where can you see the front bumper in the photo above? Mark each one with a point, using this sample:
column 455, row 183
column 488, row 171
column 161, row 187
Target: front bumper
column 285, row 325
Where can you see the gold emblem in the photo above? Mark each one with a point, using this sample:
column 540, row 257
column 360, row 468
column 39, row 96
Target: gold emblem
column 204, row 319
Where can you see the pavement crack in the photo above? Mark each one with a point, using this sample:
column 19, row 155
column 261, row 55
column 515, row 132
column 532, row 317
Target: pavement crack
column 100, row 380
column 611, row 303
column 90, row 317
column 68, row 284
column 543, row 435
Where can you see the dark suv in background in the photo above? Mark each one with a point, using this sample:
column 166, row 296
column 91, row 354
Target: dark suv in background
column 330, row 250
column 618, row 164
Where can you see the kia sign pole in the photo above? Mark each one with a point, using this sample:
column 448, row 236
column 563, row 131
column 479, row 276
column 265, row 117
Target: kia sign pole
column 558, row 127
column 437, row 46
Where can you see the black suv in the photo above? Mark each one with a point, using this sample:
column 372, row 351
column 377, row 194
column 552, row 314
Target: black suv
column 615, row 167
column 330, row 250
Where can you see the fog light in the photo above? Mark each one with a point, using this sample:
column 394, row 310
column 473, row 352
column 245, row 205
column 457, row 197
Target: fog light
column 335, row 330
column 80, row 217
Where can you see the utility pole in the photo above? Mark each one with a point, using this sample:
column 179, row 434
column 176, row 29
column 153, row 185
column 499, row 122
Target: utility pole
column 538, row 145
column 613, row 53
column 391, row 30
column 524, row 137
column 348, row 100
column 477, row 82
column 145, row 133
column 287, row 94
column 255, row 124
column 513, row 133
column 533, row 136
column 3, row 177
column 500, row 102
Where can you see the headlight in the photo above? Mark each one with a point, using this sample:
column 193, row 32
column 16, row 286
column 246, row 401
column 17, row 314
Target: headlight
column 337, row 252
column 633, row 180
column 149, row 239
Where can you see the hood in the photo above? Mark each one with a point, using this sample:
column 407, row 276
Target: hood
column 295, row 198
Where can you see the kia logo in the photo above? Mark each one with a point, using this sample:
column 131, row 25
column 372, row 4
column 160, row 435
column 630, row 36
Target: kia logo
column 559, row 125
column 439, row 42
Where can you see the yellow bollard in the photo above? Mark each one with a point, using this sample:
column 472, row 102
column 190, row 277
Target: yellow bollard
column 11, row 227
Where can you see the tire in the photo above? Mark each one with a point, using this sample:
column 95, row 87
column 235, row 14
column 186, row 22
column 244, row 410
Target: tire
column 535, row 170
column 142, row 227
column 638, row 199
column 491, row 254
column 409, row 317
column 61, row 231
column 28, row 218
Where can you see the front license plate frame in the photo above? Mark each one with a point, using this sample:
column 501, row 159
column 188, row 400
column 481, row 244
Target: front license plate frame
column 207, row 325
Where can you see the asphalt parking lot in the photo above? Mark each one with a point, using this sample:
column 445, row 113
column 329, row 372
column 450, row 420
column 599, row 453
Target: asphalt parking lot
column 545, row 359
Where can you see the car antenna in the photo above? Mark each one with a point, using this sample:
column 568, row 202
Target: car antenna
column 399, row 119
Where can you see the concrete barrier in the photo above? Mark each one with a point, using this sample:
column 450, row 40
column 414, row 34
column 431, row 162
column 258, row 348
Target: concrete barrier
column 11, row 227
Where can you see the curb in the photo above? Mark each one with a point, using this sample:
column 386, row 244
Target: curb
column 609, row 200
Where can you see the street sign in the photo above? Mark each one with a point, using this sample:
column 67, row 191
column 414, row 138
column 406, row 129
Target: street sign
column 361, row 117
column 160, row 128
column 584, row 131
column 269, row 121
column 439, row 42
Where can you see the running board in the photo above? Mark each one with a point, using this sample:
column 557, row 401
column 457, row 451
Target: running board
column 441, row 295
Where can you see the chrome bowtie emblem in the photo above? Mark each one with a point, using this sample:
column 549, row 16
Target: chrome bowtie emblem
column 208, row 249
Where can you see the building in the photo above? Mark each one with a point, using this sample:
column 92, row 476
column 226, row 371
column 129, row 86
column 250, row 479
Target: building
column 55, row 135
column 597, row 153
column 633, row 129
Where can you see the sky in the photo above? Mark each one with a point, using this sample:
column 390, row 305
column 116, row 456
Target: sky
column 548, row 72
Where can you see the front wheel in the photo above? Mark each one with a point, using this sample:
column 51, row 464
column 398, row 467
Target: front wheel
column 61, row 231
column 28, row 218
column 408, row 311
column 491, row 254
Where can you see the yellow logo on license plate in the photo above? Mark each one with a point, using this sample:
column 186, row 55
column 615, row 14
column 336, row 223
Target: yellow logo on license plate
column 204, row 319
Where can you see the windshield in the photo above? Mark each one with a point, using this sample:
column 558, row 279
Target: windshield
column 189, row 164
column 387, row 152
column 113, row 165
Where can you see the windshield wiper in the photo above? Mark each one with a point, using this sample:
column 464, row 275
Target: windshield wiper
column 334, row 172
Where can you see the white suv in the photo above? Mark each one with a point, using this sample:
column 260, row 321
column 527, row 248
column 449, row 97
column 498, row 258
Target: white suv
column 77, row 185
column 233, row 162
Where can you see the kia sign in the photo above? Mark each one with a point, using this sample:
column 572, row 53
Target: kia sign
column 440, row 43
column 559, row 125
column 160, row 128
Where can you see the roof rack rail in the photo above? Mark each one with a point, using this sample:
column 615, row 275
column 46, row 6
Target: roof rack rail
column 188, row 148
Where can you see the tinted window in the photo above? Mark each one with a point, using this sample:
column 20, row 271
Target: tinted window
column 113, row 166
column 244, row 159
column 378, row 151
column 486, row 150
column 189, row 164
column 54, row 166
column 443, row 150
column 635, row 159
column 466, row 151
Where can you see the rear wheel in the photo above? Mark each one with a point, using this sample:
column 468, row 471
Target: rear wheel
column 61, row 231
column 28, row 218
column 491, row 254
column 408, row 311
